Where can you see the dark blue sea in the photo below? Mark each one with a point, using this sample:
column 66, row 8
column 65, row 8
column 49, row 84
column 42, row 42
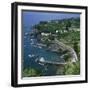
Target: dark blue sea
column 31, row 52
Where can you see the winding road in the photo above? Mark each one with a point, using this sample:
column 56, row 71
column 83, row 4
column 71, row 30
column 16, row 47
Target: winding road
column 68, row 48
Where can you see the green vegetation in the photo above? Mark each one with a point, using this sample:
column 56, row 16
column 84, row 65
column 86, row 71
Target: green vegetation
column 30, row 72
column 67, row 57
column 72, row 68
column 69, row 69
column 60, row 25
column 76, row 47
column 70, row 37
column 66, row 31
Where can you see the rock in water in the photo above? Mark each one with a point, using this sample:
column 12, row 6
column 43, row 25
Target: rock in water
column 42, row 59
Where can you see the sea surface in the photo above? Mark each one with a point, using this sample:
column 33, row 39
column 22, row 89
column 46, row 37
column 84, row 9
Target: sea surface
column 32, row 51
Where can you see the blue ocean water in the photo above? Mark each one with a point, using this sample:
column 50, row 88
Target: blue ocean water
column 31, row 51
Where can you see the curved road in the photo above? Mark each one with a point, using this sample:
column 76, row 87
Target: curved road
column 68, row 48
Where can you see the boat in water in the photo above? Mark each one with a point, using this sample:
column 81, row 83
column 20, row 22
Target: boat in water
column 31, row 55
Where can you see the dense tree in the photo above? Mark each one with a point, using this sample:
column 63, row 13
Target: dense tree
column 29, row 72
column 72, row 68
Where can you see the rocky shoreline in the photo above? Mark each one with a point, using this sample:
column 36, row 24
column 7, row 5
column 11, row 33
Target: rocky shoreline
column 59, row 47
column 56, row 46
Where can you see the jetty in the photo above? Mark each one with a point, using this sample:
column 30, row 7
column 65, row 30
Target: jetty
column 53, row 62
column 43, row 61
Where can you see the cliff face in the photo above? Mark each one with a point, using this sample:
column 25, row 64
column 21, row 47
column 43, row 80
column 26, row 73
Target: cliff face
column 69, row 50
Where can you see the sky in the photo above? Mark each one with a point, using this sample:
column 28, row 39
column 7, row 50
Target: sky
column 31, row 18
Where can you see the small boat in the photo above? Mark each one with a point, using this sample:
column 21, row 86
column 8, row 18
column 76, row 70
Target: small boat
column 26, row 33
column 31, row 39
column 31, row 55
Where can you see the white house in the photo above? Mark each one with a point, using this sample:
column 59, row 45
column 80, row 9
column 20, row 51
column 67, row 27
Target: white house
column 45, row 34
column 57, row 31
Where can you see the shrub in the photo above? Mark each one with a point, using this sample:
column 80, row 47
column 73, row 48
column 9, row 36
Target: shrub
column 72, row 68
column 29, row 72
